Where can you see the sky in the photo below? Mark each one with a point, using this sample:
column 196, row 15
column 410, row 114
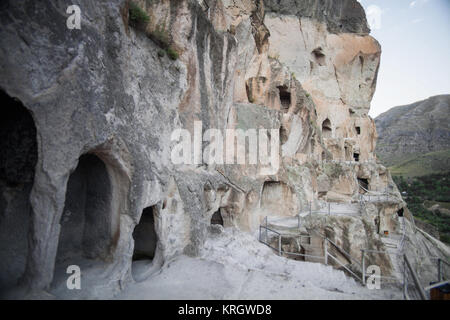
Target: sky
column 415, row 41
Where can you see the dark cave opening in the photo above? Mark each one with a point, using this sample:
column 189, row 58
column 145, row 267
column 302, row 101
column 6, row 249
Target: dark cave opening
column 358, row 130
column 327, row 132
column 86, row 222
column 363, row 183
column 18, row 159
column 285, row 98
column 400, row 212
column 319, row 56
column 217, row 218
column 356, row 157
column 145, row 237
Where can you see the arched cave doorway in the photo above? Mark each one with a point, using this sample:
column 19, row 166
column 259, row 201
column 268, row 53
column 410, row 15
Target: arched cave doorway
column 145, row 237
column 87, row 221
column 217, row 218
column 326, row 128
column 18, row 157
column 400, row 212
column 285, row 98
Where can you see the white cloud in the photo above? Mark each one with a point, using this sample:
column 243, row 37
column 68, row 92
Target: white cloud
column 373, row 14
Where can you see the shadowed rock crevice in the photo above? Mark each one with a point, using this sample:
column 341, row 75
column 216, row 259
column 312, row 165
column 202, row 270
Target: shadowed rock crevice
column 144, row 235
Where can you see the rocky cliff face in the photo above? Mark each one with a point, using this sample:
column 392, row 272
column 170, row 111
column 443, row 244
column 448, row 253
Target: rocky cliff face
column 409, row 131
column 104, row 103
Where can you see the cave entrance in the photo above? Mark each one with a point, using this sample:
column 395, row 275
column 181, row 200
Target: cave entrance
column 217, row 218
column 356, row 157
column 144, row 235
column 358, row 130
column 364, row 184
column 285, row 98
column 326, row 128
column 319, row 56
column 86, row 223
column 400, row 212
column 18, row 159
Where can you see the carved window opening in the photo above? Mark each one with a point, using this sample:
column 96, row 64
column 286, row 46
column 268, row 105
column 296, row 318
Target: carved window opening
column 327, row 132
column 319, row 56
column 285, row 99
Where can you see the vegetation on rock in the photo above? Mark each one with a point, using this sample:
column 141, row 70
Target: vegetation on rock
column 421, row 193
column 138, row 17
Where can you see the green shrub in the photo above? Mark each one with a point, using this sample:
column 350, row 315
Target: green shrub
column 161, row 53
column 445, row 238
column 161, row 37
column 172, row 53
column 138, row 17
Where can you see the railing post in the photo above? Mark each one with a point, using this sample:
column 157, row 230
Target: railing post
column 279, row 244
column 363, row 267
column 439, row 270
column 325, row 251
column 405, row 280
column 267, row 237
column 415, row 279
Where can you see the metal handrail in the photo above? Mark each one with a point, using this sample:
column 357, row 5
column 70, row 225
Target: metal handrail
column 279, row 249
column 345, row 267
column 344, row 253
column 407, row 265
column 415, row 280
column 341, row 250
column 270, row 229
column 440, row 262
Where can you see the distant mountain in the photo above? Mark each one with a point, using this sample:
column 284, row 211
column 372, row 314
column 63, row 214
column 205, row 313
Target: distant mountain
column 415, row 139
